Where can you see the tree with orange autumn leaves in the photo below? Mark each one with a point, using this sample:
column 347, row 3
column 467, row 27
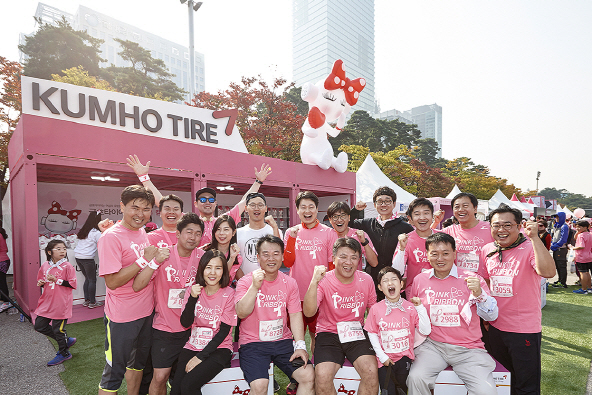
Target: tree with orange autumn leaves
column 10, row 109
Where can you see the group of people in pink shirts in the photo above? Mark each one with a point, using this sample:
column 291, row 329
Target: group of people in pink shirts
column 400, row 300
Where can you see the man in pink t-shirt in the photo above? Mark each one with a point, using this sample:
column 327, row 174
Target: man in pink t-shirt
column 583, row 251
column 342, row 297
column 470, row 234
column 171, row 279
column 515, row 265
column 338, row 213
column 205, row 198
column 455, row 299
column 265, row 298
column 124, row 251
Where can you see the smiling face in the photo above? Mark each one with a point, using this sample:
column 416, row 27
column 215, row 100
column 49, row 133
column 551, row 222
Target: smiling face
column 206, row 208
column 504, row 229
column 464, row 211
column 256, row 209
column 136, row 213
column 339, row 221
column 307, row 211
column 441, row 257
column 213, row 272
column 224, row 234
column 170, row 214
column 346, row 263
column 190, row 237
column 270, row 257
column 390, row 286
column 421, row 218
column 385, row 205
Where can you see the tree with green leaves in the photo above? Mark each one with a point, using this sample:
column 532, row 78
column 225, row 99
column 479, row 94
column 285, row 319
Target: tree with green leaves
column 54, row 48
column 294, row 96
column 145, row 76
column 427, row 151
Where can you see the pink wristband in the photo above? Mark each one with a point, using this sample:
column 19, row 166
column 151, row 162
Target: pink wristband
column 144, row 178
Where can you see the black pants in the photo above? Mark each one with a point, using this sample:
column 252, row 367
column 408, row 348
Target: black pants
column 399, row 372
column 57, row 331
column 3, row 288
column 560, row 257
column 89, row 270
column 520, row 353
column 191, row 383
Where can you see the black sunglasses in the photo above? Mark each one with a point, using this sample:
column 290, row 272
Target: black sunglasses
column 205, row 199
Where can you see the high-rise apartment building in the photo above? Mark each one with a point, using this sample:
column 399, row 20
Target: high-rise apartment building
column 327, row 30
column 175, row 56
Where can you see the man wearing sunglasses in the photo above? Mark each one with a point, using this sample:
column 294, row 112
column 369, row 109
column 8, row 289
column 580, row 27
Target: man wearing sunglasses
column 205, row 198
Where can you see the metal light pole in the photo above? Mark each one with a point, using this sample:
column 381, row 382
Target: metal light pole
column 191, row 6
column 538, row 175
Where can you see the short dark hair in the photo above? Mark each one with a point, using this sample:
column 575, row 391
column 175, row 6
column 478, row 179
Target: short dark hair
column 472, row 197
column 269, row 239
column 336, row 207
column 134, row 192
column 203, row 262
column 307, row 195
column 254, row 195
column 189, row 218
column 348, row 242
column 418, row 203
column 504, row 208
column 388, row 269
column 384, row 191
column 440, row 237
column 170, row 197
column 583, row 223
column 50, row 245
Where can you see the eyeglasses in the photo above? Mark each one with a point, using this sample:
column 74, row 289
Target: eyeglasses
column 337, row 217
column 384, row 202
column 506, row 226
column 256, row 205
column 205, row 199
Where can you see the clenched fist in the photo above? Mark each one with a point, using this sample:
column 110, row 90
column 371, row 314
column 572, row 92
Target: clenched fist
column 162, row 255
column 403, row 238
column 196, row 290
column 258, row 276
column 474, row 285
column 319, row 273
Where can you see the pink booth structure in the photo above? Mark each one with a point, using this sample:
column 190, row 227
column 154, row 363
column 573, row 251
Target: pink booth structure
column 68, row 134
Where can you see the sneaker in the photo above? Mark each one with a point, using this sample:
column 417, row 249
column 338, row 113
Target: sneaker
column 59, row 358
column 291, row 389
column 93, row 305
column 558, row 285
column 580, row 291
column 276, row 386
column 71, row 341
column 86, row 303
column 5, row 306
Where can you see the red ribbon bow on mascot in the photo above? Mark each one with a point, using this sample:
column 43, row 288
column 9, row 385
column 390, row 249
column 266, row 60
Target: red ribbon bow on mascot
column 337, row 79
column 56, row 208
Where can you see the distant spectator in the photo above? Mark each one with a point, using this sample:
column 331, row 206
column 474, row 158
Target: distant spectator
column 4, row 265
column 543, row 234
column 559, row 248
column 84, row 253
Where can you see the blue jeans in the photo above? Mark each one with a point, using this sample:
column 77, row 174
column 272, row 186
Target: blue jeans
column 89, row 270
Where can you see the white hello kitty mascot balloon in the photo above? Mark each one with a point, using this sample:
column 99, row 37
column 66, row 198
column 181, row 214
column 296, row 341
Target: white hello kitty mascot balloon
column 329, row 101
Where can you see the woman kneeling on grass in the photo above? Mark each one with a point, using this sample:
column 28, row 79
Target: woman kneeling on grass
column 209, row 312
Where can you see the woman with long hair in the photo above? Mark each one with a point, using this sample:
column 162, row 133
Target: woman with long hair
column 224, row 240
column 84, row 253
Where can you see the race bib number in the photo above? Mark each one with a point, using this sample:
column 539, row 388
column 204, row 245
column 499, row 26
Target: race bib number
column 350, row 331
column 200, row 337
column 444, row 315
column 394, row 342
column 175, row 300
column 502, row 286
column 271, row 330
column 468, row 261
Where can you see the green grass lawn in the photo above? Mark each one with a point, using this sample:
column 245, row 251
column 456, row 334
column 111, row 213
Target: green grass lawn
column 566, row 350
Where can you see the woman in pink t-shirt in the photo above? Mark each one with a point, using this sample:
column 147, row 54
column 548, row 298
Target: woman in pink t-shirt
column 209, row 311
column 224, row 240
column 57, row 277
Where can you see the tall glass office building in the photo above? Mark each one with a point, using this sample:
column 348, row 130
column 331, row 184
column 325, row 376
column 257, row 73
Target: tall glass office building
column 327, row 30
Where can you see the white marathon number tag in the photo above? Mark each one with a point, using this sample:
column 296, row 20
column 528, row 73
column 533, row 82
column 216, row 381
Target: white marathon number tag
column 502, row 286
column 350, row 331
column 175, row 301
column 468, row 261
column 271, row 330
column 394, row 342
column 444, row 315
column 200, row 337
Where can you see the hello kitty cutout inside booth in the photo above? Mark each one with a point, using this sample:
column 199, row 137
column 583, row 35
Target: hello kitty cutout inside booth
column 328, row 101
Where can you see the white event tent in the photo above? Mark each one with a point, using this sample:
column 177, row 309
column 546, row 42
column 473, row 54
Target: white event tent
column 455, row 191
column 499, row 198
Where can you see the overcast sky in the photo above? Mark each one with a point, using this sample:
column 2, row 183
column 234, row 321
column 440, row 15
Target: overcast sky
column 513, row 77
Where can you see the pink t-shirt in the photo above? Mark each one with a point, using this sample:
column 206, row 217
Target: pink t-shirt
column 416, row 257
column 340, row 302
column 3, row 250
column 352, row 234
column 444, row 299
column 396, row 331
column 313, row 248
column 209, row 225
column 173, row 276
column 516, row 286
column 210, row 312
column 56, row 300
column 584, row 255
column 268, row 321
column 469, row 243
column 119, row 247
column 161, row 238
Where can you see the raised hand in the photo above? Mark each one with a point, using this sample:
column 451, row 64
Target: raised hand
column 134, row 162
column 403, row 239
column 262, row 174
column 258, row 276
column 474, row 285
